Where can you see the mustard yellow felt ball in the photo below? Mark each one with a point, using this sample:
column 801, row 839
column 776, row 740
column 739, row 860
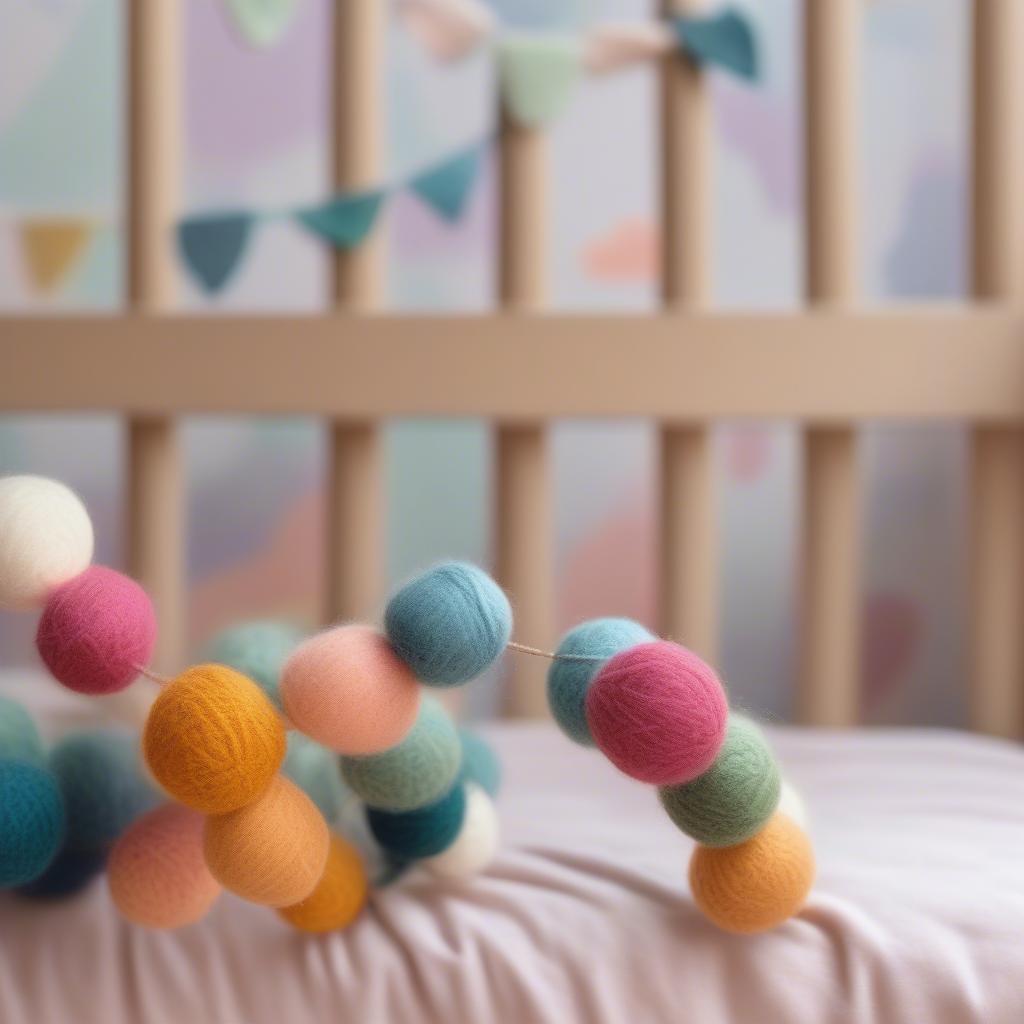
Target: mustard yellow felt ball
column 339, row 895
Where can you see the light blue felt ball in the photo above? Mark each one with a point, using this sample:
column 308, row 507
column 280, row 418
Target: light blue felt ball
column 568, row 681
column 258, row 650
column 314, row 769
column 480, row 763
column 19, row 738
column 416, row 772
column 449, row 624
column 31, row 822
column 410, row 835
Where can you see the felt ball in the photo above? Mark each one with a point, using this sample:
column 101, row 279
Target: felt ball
column 757, row 884
column 103, row 788
column 257, row 650
column 792, row 804
column 19, row 737
column 733, row 799
column 69, row 874
column 271, row 852
column 339, row 896
column 31, row 822
column 348, row 689
column 45, row 539
column 477, row 842
column 411, row 835
column 449, row 624
column 569, row 681
column 157, row 874
column 658, row 713
column 315, row 770
column 416, row 772
column 480, row 762
column 213, row 740
column 97, row 631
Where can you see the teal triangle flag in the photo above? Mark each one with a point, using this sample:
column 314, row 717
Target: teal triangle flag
column 213, row 245
column 345, row 220
column 446, row 186
column 725, row 40
column 537, row 75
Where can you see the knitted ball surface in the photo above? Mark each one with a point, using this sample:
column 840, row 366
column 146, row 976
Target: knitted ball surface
column 69, row 874
column 213, row 740
column 273, row 851
column 315, row 770
column 339, row 896
column 19, row 737
column 449, row 624
column 31, row 822
column 157, row 874
column 757, row 884
column 348, row 689
column 257, row 650
column 416, row 772
column 658, row 713
column 477, row 842
column 46, row 539
column 480, row 763
column 411, row 835
column 569, row 681
column 96, row 631
column 733, row 799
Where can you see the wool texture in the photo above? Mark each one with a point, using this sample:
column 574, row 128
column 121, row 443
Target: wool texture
column 96, row 631
column 213, row 740
column 758, row 884
column 315, row 770
column 480, row 763
column 569, row 681
column 411, row 835
column 477, row 842
column 19, row 737
column 416, row 772
column 31, row 822
column 339, row 896
column 791, row 803
column 449, row 624
column 658, row 713
column 68, row 875
column 273, row 851
column 348, row 690
column 733, row 799
column 157, row 874
column 257, row 650
column 46, row 539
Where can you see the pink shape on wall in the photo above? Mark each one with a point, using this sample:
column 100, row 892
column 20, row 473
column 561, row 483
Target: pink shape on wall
column 893, row 632
column 628, row 252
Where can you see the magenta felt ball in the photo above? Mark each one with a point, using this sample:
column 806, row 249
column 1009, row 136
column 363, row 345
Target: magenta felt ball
column 658, row 713
column 96, row 631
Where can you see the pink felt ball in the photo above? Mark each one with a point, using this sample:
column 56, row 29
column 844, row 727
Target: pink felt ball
column 658, row 713
column 96, row 630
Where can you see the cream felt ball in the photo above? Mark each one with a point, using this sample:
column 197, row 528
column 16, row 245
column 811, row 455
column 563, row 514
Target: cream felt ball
column 792, row 803
column 348, row 690
column 258, row 650
column 19, row 737
column 31, row 822
column 46, row 539
column 477, row 842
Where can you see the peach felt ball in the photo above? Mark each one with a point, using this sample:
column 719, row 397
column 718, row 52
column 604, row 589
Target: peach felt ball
column 348, row 690
column 339, row 895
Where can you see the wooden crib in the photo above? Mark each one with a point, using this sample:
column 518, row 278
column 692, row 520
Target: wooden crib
column 829, row 367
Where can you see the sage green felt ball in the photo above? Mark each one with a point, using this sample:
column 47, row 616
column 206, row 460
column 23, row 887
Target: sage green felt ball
column 314, row 769
column 19, row 738
column 258, row 650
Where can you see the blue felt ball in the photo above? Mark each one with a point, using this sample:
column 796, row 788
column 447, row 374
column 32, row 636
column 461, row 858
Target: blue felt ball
column 19, row 738
column 71, row 872
column 449, row 624
column 314, row 769
column 258, row 650
column 409, row 835
column 568, row 681
column 480, row 763
column 31, row 822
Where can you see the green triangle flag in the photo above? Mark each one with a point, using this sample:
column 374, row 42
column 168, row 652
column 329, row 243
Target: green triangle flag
column 725, row 40
column 536, row 75
column 262, row 22
column 213, row 245
column 446, row 186
column 345, row 220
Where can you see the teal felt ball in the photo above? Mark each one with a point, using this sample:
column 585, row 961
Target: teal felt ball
column 734, row 798
column 31, row 822
column 258, row 650
column 314, row 769
column 480, row 763
column 410, row 835
column 449, row 624
column 70, row 873
column 416, row 772
column 19, row 738
column 568, row 681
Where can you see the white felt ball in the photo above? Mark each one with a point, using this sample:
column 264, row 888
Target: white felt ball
column 45, row 539
column 792, row 804
column 477, row 842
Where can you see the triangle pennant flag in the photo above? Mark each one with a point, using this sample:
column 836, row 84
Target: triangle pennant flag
column 52, row 248
column 448, row 29
column 725, row 40
column 213, row 246
column 262, row 22
column 446, row 186
column 537, row 75
column 345, row 220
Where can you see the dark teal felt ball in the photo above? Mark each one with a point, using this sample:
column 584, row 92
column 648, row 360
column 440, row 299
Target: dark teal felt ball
column 410, row 835
column 31, row 822
column 480, row 762
column 70, row 873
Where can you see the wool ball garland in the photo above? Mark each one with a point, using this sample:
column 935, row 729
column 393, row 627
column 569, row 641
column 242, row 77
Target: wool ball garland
column 339, row 896
column 348, row 690
column 411, row 835
column 449, row 624
column 416, row 772
column 69, row 874
column 258, row 650
column 733, row 799
column 569, row 681
column 31, row 822
column 213, row 740
column 480, row 763
column 315, row 770
column 658, row 713
column 477, row 842
column 19, row 737
column 271, row 852
column 46, row 539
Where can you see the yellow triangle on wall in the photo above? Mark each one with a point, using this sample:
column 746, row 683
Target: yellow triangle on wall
column 52, row 247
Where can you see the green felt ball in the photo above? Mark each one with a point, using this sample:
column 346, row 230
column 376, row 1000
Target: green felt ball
column 480, row 762
column 314, row 769
column 258, row 650
column 19, row 738
column 734, row 798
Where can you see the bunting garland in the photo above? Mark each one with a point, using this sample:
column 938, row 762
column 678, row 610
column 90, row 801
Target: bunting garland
column 52, row 248
column 261, row 22
column 536, row 75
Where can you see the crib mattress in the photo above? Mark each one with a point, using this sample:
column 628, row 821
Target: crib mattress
column 918, row 913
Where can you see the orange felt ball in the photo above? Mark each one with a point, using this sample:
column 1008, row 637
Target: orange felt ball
column 156, row 871
column 756, row 884
column 348, row 690
column 213, row 740
column 339, row 896
column 272, row 851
